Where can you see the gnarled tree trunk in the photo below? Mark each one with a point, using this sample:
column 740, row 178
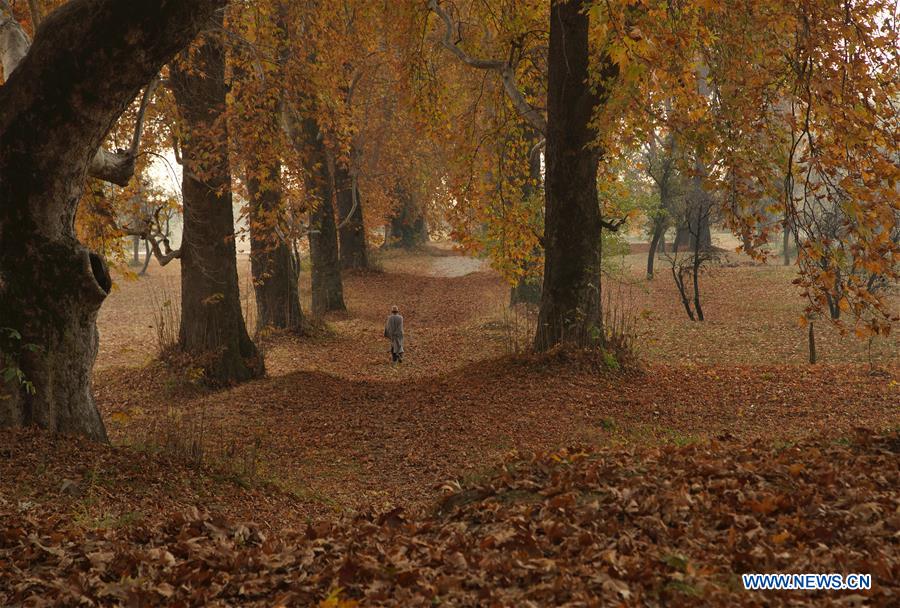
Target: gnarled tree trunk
column 212, row 325
column 88, row 61
column 570, row 304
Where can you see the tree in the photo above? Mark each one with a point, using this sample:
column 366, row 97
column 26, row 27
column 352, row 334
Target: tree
column 212, row 324
column 692, row 263
column 327, row 284
column 257, row 104
column 496, row 87
column 352, row 227
column 661, row 167
column 87, row 62
column 570, row 303
column 274, row 268
column 407, row 227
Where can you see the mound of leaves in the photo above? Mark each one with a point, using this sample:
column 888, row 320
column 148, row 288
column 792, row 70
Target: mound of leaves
column 661, row 527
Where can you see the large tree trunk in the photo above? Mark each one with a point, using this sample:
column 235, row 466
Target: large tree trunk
column 354, row 249
column 257, row 129
column 88, row 61
column 570, row 304
column 212, row 325
column 272, row 264
column 327, row 285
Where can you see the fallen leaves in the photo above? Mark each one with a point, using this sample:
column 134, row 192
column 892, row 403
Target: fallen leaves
column 662, row 526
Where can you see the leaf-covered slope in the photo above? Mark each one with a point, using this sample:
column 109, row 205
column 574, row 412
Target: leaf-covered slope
column 670, row 526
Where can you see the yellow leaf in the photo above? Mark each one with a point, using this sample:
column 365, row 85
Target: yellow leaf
column 779, row 539
column 334, row 600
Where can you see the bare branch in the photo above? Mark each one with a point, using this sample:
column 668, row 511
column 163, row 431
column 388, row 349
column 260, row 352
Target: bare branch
column 151, row 231
column 142, row 111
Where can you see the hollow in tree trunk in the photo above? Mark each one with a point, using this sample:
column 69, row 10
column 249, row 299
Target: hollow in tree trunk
column 212, row 324
column 53, row 118
column 570, row 303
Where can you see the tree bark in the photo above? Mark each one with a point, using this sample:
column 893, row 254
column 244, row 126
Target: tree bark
column 407, row 228
column 698, row 260
column 354, row 249
column 87, row 63
column 114, row 167
column 811, row 341
column 786, row 243
column 273, row 267
column 688, row 228
column 327, row 284
column 659, row 231
column 135, row 250
column 212, row 325
column 570, row 303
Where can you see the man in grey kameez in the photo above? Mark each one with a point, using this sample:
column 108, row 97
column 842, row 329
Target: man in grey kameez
column 393, row 331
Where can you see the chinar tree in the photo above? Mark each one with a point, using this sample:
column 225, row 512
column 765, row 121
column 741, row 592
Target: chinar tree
column 212, row 329
column 88, row 61
column 570, row 303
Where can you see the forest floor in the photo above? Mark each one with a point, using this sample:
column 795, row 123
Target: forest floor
column 335, row 429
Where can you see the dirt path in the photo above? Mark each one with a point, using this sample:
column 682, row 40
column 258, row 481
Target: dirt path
column 442, row 295
column 456, row 266
column 339, row 427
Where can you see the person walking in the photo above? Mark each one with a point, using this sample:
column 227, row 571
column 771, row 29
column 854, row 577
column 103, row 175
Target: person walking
column 393, row 331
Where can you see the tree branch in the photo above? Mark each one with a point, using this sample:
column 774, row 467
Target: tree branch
column 14, row 42
column 114, row 167
column 613, row 226
column 36, row 16
column 152, row 233
column 506, row 69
